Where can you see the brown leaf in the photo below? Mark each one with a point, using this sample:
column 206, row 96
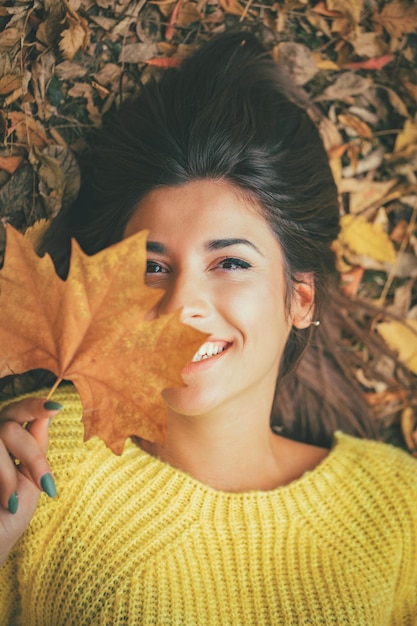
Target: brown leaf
column 321, row 8
column 84, row 90
column 399, row 232
column 398, row 17
column 92, row 329
column 367, row 44
column 345, row 85
column 19, row 205
column 74, row 37
column 298, row 60
column 396, row 102
column 411, row 88
column 232, row 6
column 351, row 8
column 189, row 14
column 9, row 83
column 29, row 132
column 59, row 177
column 358, row 126
column 9, row 37
column 68, row 70
column 10, row 164
column 138, row 52
column 366, row 193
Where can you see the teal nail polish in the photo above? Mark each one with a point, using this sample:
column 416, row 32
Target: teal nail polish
column 50, row 405
column 48, row 485
column 13, row 503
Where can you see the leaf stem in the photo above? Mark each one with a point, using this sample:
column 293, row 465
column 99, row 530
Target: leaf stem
column 54, row 388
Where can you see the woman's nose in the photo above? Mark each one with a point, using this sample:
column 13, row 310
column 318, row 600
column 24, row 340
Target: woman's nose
column 186, row 293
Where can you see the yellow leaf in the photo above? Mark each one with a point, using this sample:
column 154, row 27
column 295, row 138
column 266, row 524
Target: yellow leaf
column 10, row 164
column 365, row 239
column 324, row 64
column 407, row 137
column 401, row 337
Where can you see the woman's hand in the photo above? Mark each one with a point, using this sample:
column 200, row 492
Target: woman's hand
column 24, row 470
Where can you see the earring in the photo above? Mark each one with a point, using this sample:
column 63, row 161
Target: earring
column 315, row 323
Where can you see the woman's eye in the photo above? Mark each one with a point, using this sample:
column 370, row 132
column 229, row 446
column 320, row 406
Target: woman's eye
column 234, row 264
column 152, row 267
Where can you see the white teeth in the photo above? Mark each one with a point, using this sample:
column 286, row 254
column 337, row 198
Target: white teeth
column 207, row 350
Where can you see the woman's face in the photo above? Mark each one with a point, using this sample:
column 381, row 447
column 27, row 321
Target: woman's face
column 218, row 261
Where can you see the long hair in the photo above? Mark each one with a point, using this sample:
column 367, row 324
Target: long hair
column 227, row 115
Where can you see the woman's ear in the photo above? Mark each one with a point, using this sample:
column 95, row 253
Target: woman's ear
column 302, row 306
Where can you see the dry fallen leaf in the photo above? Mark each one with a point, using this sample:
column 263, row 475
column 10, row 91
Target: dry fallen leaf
column 92, row 329
column 402, row 338
column 408, row 423
column 10, row 164
column 357, row 125
column 408, row 136
column 28, row 131
column 397, row 17
column 360, row 237
column 232, row 6
column 75, row 36
column 298, row 60
column 366, row 193
column 346, row 84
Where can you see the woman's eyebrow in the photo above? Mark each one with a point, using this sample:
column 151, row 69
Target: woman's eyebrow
column 155, row 246
column 218, row 244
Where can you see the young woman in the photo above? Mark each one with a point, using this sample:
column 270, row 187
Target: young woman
column 227, row 522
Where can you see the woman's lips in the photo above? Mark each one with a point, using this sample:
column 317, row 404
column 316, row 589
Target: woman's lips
column 209, row 352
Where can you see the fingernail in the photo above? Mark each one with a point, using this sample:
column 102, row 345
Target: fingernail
column 13, row 503
column 48, row 485
column 50, row 405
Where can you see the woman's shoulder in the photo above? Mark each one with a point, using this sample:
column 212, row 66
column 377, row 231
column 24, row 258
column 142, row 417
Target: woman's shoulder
column 376, row 471
column 375, row 455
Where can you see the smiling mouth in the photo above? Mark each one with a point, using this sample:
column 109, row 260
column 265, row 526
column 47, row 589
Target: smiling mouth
column 209, row 349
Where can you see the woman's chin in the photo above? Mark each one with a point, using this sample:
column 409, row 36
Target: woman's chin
column 187, row 401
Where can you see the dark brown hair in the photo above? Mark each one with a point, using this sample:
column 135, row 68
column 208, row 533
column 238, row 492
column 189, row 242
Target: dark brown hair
column 227, row 115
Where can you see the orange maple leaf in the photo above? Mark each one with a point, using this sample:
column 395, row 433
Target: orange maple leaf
column 92, row 329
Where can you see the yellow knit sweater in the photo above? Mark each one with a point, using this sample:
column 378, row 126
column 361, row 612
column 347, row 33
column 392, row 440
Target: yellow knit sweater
column 131, row 540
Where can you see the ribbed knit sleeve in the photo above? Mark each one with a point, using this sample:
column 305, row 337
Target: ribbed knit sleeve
column 65, row 453
column 131, row 540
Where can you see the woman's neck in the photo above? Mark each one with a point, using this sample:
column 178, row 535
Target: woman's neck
column 233, row 455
